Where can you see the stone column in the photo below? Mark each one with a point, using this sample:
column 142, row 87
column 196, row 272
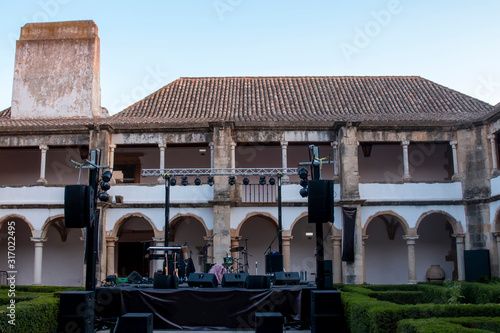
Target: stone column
column 284, row 159
column 162, row 146
column 335, row 145
column 211, row 145
column 287, row 239
column 364, row 238
column 233, row 155
column 497, row 235
column 112, row 148
column 43, row 163
column 337, row 259
column 406, row 165
column 157, row 264
column 412, row 262
column 494, row 157
column 37, row 268
column 460, row 242
column 453, row 145
column 110, row 255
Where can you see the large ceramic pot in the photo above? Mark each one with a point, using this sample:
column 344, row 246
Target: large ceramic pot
column 435, row 273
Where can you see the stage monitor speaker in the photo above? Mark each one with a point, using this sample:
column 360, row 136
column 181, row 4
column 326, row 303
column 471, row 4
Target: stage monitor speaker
column 258, row 282
column 135, row 322
column 161, row 281
column 234, row 280
column 77, row 205
column 320, row 201
column 205, row 280
column 268, row 322
column 71, row 324
column 285, row 278
column 274, row 262
column 134, row 277
column 477, row 264
column 77, row 303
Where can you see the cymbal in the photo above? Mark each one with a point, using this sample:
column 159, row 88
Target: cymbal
column 236, row 249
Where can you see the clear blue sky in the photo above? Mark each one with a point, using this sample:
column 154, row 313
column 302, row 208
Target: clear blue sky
column 147, row 44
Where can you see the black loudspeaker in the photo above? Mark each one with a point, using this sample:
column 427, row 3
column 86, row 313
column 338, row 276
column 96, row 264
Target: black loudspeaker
column 135, row 322
column 274, row 262
column 477, row 264
column 206, row 280
column 134, row 277
column 77, row 205
column 71, row 324
column 77, row 303
column 320, row 201
column 327, row 311
column 161, row 281
column 282, row 278
column 328, row 273
column 268, row 322
column 234, row 280
column 258, row 282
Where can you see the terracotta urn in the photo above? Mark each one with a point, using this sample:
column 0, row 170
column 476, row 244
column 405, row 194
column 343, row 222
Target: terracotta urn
column 435, row 273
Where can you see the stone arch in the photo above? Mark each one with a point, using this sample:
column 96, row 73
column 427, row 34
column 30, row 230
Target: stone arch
column 60, row 227
column 267, row 216
column 125, row 218
column 18, row 217
column 402, row 221
column 177, row 219
column 456, row 226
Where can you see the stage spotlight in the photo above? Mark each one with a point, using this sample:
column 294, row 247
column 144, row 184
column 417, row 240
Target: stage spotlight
column 103, row 196
column 106, row 176
column 303, row 174
column 173, row 182
column 197, row 181
column 246, row 181
column 210, row 181
column 184, row 181
column 105, row 186
column 262, row 180
column 232, row 180
column 272, row 181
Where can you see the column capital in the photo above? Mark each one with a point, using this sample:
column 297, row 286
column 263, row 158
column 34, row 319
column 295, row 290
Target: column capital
column 410, row 239
column 38, row 240
column 162, row 145
column 286, row 238
column 491, row 137
column 453, row 143
column 334, row 144
column 158, row 239
column 43, row 147
column 405, row 142
column 284, row 143
column 211, row 144
column 233, row 144
column 459, row 238
column 112, row 146
column 497, row 235
column 111, row 240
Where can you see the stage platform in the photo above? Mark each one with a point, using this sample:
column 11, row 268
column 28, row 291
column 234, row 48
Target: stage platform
column 202, row 309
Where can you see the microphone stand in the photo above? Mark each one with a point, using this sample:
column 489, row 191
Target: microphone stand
column 204, row 250
column 270, row 245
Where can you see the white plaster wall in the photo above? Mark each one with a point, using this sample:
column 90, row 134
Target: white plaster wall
column 494, row 208
column 495, row 186
column 24, row 252
column 290, row 193
column 156, row 193
column 35, row 217
column 386, row 261
column 410, row 191
column 32, row 195
column 411, row 214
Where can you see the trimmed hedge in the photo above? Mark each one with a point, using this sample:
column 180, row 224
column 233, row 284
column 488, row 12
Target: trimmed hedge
column 479, row 293
column 38, row 315
column 441, row 325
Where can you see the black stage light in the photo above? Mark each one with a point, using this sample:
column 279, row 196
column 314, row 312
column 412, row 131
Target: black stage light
column 105, row 186
column 103, row 196
column 304, row 192
column 303, row 174
column 246, row 181
column 184, row 181
column 173, row 182
column 210, row 181
column 232, row 180
column 197, row 181
column 262, row 180
column 272, row 181
column 106, row 176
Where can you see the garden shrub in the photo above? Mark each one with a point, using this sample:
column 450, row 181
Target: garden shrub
column 438, row 325
column 37, row 315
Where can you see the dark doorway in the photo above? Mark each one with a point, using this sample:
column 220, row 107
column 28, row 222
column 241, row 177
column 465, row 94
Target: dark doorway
column 132, row 258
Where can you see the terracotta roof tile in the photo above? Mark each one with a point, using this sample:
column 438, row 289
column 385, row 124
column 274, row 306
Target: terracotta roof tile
column 299, row 99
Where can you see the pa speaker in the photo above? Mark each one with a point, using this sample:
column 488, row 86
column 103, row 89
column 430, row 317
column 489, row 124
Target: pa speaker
column 274, row 262
column 71, row 324
column 135, row 322
column 234, row 280
column 327, row 311
column 77, row 205
column 134, row 277
column 328, row 273
column 320, row 201
column 77, row 303
column 206, row 280
column 477, row 264
column 285, row 278
column 258, row 282
column 268, row 322
column 161, row 281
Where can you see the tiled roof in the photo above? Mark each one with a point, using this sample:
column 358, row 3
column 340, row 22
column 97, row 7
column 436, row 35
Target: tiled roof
column 5, row 113
column 306, row 99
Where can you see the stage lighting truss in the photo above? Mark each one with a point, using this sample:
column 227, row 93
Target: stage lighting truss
column 276, row 172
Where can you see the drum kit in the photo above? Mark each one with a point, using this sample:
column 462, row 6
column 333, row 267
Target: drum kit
column 232, row 263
